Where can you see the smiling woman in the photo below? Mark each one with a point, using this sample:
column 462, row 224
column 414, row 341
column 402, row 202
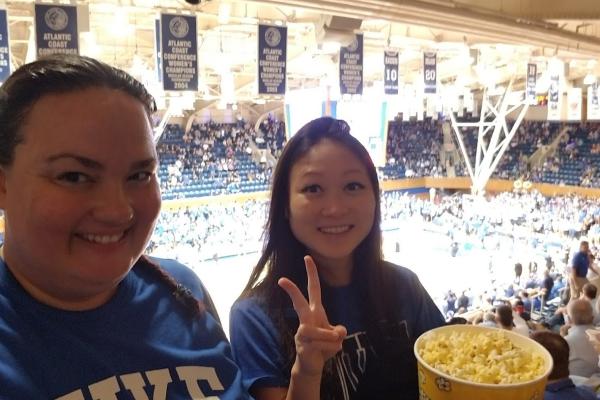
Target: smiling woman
column 72, row 195
column 83, row 314
column 325, row 207
column 332, row 207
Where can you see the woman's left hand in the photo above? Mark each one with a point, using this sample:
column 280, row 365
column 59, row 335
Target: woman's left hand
column 316, row 339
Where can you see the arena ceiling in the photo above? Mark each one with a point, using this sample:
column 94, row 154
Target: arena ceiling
column 474, row 43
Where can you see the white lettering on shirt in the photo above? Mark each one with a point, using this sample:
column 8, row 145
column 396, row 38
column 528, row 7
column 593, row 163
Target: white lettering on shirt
column 107, row 389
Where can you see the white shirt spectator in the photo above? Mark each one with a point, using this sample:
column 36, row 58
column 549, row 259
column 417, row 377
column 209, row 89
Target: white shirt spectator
column 594, row 303
column 520, row 325
column 583, row 358
column 489, row 324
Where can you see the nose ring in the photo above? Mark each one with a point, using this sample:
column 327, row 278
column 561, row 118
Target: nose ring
column 130, row 216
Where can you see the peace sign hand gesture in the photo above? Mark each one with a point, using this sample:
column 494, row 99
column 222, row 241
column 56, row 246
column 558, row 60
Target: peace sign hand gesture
column 316, row 339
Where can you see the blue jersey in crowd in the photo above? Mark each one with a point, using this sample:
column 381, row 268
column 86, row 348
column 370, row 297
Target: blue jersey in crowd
column 565, row 389
column 581, row 263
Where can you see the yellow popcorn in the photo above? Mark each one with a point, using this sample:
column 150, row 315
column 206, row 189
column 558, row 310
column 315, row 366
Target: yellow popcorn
column 481, row 357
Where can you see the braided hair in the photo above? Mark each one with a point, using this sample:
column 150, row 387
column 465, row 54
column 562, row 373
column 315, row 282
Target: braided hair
column 183, row 295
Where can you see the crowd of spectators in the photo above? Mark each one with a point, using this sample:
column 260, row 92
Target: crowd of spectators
column 530, row 136
column 542, row 233
column 213, row 158
column 209, row 159
column 542, row 223
column 209, row 231
column 271, row 135
column 575, row 160
column 534, row 296
column 413, row 149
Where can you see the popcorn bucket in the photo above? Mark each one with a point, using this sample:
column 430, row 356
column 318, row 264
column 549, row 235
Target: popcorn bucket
column 437, row 385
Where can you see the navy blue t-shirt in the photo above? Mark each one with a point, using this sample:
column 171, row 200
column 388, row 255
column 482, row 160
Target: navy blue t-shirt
column 257, row 346
column 581, row 263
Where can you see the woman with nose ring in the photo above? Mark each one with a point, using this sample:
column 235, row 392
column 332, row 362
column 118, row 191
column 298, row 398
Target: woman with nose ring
column 83, row 314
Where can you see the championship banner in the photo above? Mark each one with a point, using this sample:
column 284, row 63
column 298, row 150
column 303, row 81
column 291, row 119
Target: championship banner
column 157, row 50
column 531, row 83
column 593, row 104
column 574, row 104
column 272, row 58
column 554, row 98
column 390, row 72
column 4, row 49
column 430, row 71
column 56, row 29
column 179, row 48
column 351, row 67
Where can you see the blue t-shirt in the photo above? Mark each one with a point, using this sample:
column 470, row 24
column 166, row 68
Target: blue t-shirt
column 566, row 390
column 257, row 345
column 140, row 343
column 581, row 263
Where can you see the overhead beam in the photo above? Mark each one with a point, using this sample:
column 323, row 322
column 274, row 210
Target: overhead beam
column 485, row 24
column 538, row 9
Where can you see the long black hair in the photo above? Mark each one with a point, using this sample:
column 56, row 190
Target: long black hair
column 283, row 253
column 65, row 74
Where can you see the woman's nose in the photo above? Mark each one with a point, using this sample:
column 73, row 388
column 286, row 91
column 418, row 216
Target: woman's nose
column 334, row 205
column 113, row 205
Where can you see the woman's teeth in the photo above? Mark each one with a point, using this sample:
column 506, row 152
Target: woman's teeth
column 335, row 229
column 102, row 239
